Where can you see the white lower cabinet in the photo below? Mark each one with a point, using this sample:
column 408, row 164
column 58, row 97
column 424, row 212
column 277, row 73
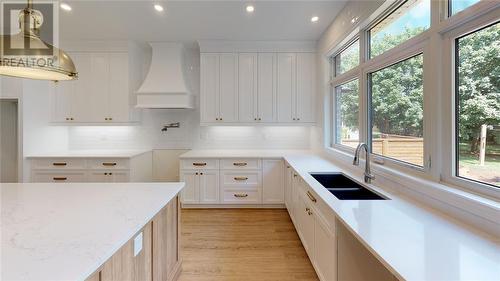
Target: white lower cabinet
column 233, row 181
column 273, row 185
column 209, row 187
column 202, row 186
column 136, row 168
column 310, row 218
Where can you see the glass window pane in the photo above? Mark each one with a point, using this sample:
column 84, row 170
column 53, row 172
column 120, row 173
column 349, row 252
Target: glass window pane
column 460, row 5
column 347, row 114
column 410, row 19
column 347, row 59
column 397, row 98
column 478, row 105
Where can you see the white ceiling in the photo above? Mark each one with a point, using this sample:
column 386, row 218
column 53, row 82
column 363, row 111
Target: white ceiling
column 188, row 21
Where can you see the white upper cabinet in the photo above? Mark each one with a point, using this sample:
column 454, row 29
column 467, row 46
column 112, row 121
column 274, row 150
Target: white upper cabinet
column 100, row 94
column 266, row 100
column 247, row 87
column 209, row 100
column 305, row 102
column 228, row 89
column 287, row 67
column 257, row 87
column 219, row 88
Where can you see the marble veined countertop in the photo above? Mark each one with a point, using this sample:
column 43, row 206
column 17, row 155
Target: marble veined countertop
column 67, row 231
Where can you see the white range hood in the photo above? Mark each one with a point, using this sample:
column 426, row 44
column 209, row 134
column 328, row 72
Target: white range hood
column 165, row 85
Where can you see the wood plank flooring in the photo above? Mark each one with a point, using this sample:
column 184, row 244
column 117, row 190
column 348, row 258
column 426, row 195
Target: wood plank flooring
column 242, row 245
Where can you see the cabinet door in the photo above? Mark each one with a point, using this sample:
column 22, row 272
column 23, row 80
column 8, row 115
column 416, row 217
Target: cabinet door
column 288, row 188
column 247, row 87
column 305, row 87
column 286, row 88
column 209, row 187
column 99, row 88
column 191, row 192
column 120, row 177
column 209, row 99
column 100, row 176
column 118, row 98
column 267, row 87
column 273, row 188
column 306, row 225
column 121, row 265
column 325, row 249
column 228, row 89
column 62, row 96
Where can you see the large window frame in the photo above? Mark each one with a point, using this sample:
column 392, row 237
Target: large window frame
column 437, row 46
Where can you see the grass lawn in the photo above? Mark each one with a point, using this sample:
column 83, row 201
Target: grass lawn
column 470, row 168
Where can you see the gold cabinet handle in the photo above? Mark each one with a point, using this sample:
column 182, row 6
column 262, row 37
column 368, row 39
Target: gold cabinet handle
column 311, row 196
column 59, row 178
column 240, row 195
column 240, row 164
column 108, row 164
column 240, row 178
column 295, row 175
column 199, row 164
column 59, row 164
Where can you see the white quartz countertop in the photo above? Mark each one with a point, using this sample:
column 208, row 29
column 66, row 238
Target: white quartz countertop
column 89, row 154
column 67, row 231
column 412, row 241
column 241, row 153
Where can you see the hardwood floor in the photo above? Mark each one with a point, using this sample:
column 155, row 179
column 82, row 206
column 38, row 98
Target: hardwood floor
column 243, row 245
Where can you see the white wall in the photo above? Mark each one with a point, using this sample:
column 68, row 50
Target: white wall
column 34, row 104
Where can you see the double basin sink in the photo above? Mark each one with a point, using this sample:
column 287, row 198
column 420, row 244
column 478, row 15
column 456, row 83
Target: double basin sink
column 344, row 188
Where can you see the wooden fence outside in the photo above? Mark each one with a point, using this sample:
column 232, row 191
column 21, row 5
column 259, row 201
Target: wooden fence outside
column 405, row 149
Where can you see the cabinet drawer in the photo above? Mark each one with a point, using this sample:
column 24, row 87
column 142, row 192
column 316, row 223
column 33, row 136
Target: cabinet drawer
column 242, row 197
column 59, row 163
column 243, row 164
column 243, row 178
column 56, row 176
column 197, row 164
column 108, row 163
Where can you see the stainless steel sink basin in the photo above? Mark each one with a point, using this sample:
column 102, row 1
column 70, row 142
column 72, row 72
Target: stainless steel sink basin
column 344, row 188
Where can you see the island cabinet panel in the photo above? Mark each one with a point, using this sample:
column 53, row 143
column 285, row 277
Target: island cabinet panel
column 166, row 251
column 156, row 259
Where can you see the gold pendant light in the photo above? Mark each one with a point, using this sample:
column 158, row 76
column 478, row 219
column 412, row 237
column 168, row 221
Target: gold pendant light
column 35, row 59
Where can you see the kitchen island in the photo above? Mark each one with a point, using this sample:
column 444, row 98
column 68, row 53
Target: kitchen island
column 123, row 231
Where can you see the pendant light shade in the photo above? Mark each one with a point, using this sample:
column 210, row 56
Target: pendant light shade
column 35, row 59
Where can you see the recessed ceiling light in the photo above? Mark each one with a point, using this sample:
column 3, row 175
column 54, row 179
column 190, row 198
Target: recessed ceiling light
column 159, row 7
column 314, row 19
column 65, row 7
column 250, row 8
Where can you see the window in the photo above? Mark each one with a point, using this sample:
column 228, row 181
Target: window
column 460, row 5
column 396, row 114
column 477, row 89
column 347, row 59
column 408, row 20
column 347, row 114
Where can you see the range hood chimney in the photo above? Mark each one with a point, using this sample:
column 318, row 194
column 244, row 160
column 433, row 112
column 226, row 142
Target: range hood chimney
column 165, row 84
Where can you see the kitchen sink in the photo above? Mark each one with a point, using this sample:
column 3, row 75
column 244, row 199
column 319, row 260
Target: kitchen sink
column 344, row 188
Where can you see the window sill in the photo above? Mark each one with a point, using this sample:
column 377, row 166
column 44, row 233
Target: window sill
column 464, row 205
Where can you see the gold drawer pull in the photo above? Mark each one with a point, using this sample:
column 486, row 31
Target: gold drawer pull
column 240, row 164
column 59, row 164
column 240, row 178
column 60, row 179
column 109, row 164
column 241, row 195
column 311, row 196
column 199, row 164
